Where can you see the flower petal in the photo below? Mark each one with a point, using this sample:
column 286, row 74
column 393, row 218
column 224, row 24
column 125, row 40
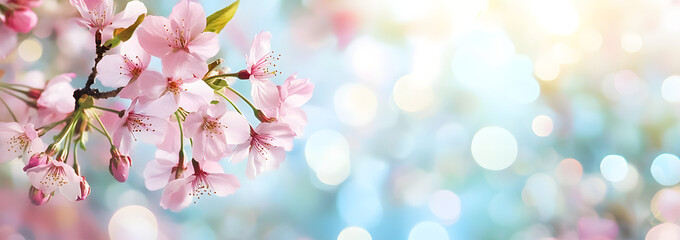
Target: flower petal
column 205, row 45
column 223, row 184
column 153, row 36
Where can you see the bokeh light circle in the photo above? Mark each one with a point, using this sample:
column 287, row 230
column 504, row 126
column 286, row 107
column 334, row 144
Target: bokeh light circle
column 569, row 172
column 664, row 231
column 670, row 89
column 412, row 95
column 30, row 50
column 631, row 42
column 354, row 233
column 614, row 168
column 666, row 169
column 428, row 231
column 542, row 125
column 445, row 205
column 355, row 104
column 630, row 181
column 328, row 154
column 494, row 148
column 133, row 222
column 359, row 204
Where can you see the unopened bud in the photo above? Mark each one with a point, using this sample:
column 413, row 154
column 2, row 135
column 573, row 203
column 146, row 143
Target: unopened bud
column 84, row 189
column 119, row 165
column 38, row 197
column 34, row 93
column 263, row 118
column 243, row 74
column 36, row 160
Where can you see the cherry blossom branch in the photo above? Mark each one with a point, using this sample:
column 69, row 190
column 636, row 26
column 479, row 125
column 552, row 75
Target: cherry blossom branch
column 180, row 170
column 244, row 99
column 106, row 133
column 9, row 109
column 100, row 50
column 232, row 103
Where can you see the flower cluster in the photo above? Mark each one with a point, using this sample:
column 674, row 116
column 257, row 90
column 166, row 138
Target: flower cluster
column 189, row 104
column 16, row 16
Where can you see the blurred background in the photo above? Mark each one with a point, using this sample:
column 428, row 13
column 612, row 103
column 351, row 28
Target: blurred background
column 432, row 119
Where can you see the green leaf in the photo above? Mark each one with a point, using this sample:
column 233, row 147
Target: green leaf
column 217, row 21
column 124, row 34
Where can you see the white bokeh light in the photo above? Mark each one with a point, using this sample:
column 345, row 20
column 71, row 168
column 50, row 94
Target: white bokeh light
column 412, row 95
column 355, row 104
column 133, row 222
column 327, row 153
column 542, row 125
column 494, row 148
column 666, row 169
column 428, row 231
column 354, row 233
column 558, row 17
column 670, row 89
column 614, row 168
column 445, row 205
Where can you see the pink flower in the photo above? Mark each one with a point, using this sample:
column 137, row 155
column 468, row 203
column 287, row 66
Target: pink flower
column 258, row 64
column 117, row 70
column 213, row 128
column 21, row 19
column 204, row 182
column 56, row 100
column 27, row 3
column 135, row 125
column 293, row 94
column 38, row 197
column 84, row 189
column 119, row 165
column 8, row 40
column 162, row 169
column 180, row 41
column 17, row 140
column 167, row 93
column 38, row 159
column 98, row 15
column 55, row 175
column 266, row 148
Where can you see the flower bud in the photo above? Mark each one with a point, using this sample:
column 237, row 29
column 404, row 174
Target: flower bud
column 243, row 74
column 36, row 160
column 21, row 19
column 84, row 189
column 119, row 165
column 38, row 197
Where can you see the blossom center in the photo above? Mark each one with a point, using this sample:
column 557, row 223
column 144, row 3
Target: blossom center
column 264, row 67
column 175, row 86
column 201, row 186
column 18, row 143
column 54, row 176
column 138, row 123
column 212, row 127
column 134, row 66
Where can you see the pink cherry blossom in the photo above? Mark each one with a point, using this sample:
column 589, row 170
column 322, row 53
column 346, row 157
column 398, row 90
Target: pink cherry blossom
column 137, row 124
column 258, row 64
column 38, row 159
column 293, row 94
column 179, row 40
column 213, row 128
column 98, row 15
column 21, row 19
column 266, row 148
column 56, row 100
column 55, row 175
column 8, row 40
column 119, row 165
column 167, row 93
column 38, row 197
column 26, row 3
column 205, row 181
column 84, row 189
column 117, row 70
column 18, row 140
column 162, row 169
